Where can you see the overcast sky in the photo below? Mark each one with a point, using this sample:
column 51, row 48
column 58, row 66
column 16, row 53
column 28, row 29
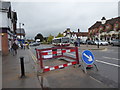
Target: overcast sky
column 54, row 17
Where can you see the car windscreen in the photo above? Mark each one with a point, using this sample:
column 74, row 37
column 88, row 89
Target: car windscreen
column 56, row 41
column 65, row 40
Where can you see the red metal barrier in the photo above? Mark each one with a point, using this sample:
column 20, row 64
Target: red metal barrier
column 57, row 52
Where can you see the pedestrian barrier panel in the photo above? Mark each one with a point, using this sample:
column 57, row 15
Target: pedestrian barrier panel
column 88, row 60
column 56, row 52
column 48, row 56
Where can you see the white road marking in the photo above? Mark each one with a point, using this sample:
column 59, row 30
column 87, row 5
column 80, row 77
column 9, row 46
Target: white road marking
column 102, row 62
column 95, row 79
column 107, row 63
column 111, row 58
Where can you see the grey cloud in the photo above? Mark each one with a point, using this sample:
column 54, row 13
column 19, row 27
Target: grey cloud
column 52, row 18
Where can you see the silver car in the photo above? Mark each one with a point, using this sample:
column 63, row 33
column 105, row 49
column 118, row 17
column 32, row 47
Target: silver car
column 101, row 42
column 115, row 42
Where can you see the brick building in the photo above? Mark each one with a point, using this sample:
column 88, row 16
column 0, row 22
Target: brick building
column 8, row 21
column 107, row 32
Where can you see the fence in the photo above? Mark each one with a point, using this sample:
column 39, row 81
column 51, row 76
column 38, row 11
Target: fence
column 56, row 52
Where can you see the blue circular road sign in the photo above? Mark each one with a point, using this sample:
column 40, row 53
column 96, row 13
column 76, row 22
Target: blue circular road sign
column 88, row 57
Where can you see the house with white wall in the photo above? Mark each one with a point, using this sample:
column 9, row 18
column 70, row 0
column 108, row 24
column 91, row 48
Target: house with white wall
column 74, row 35
column 8, row 21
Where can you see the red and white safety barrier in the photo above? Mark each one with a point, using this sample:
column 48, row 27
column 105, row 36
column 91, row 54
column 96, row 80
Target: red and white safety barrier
column 59, row 51
column 47, row 68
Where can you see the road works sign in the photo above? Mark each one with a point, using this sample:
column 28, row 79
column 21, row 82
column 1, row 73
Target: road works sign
column 88, row 57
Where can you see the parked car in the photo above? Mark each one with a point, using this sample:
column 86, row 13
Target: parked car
column 115, row 42
column 35, row 44
column 90, row 42
column 72, row 41
column 82, row 42
column 101, row 42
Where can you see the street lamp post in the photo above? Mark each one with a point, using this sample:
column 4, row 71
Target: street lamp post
column 103, row 21
column 20, row 30
column 98, row 37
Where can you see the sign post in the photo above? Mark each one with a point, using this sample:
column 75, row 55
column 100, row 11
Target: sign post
column 88, row 59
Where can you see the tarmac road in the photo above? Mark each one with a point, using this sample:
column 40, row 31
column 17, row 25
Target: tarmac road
column 108, row 63
column 107, row 76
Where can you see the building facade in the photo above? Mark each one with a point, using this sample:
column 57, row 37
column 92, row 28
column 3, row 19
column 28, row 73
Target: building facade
column 106, row 32
column 74, row 35
column 20, row 33
column 8, row 21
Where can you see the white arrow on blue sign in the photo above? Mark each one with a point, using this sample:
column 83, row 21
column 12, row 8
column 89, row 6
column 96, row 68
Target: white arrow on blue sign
column 88, row 57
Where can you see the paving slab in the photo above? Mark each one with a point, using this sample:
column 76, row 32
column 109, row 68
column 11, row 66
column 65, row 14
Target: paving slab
column 0, row 70
column 12, row 71
column 69, row 77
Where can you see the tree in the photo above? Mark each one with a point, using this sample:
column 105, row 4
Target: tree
column 50, row 38
column 30, row 40
column 39, row 36
column 45, row 39
column 59, row 35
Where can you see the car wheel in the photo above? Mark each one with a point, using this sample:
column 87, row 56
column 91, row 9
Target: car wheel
column 112, row 44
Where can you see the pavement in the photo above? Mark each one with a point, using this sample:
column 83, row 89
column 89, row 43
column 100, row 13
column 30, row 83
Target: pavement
column 0, row 70
column 69, row 77
column 91, row 47
column 12, row 71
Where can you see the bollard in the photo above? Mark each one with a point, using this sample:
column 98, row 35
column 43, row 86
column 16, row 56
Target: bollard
column 22, row 67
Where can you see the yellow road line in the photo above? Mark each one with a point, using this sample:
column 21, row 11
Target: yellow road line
column 33, row 57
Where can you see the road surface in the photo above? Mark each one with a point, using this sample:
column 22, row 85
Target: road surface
column 107, row 62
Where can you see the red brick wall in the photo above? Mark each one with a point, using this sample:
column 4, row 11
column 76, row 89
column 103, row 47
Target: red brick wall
column 5, row 50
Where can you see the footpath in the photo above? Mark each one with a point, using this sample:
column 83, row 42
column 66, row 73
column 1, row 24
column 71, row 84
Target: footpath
column 91, row 47
column 11, row 71
column 0, row 70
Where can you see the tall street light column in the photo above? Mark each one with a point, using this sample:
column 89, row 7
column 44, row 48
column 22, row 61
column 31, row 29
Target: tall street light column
column 98, row 37
column 103, row 21
column 20, row 30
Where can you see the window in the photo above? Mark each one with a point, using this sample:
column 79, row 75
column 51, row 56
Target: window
column 65, row 40
column 57, row 41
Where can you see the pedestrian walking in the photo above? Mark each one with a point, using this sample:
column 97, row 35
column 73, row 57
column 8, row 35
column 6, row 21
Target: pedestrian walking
column 21, row 45
column 78, row 40
column 76, row 43
column 87, row 42
column 27, row 45
column 14, row 48
column 24, row 45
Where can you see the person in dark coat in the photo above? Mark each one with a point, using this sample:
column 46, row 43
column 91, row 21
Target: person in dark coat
column 14, row 47
column 21, row 45
column 76, row 43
